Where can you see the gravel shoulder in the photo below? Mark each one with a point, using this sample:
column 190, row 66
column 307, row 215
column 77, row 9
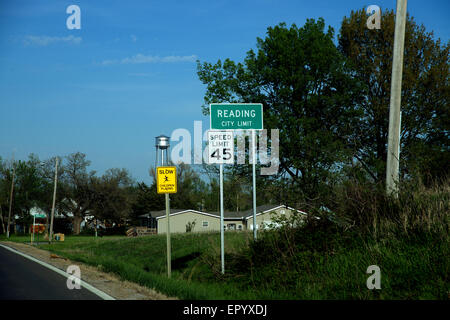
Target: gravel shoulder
column 106, row 282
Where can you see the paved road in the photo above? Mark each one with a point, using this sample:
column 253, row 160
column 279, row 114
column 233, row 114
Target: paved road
column 23, row 279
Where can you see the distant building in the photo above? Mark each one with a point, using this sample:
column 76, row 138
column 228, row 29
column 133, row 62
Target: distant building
column 182, row 220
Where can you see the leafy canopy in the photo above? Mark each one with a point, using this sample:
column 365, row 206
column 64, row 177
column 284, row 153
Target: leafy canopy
column 308, row 93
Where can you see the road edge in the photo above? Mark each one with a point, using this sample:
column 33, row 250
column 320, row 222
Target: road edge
column 84, row 284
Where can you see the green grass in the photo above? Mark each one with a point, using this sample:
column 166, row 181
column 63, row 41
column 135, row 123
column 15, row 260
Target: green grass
column 20, row 238
column 143, row 260
column 410, row 269
column 318, row 263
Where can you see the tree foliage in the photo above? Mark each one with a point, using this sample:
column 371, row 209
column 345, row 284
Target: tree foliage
column 111, row 200
column 308, row 93
column 424, row 102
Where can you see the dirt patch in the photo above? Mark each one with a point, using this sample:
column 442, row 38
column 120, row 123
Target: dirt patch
column 106, row 282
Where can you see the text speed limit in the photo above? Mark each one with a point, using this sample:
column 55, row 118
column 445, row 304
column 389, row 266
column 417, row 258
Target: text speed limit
column 220, row 147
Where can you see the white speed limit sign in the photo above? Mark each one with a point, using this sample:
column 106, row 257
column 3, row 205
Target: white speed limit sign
column 220, row 147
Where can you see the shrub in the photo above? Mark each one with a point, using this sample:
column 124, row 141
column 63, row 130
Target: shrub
column 417, row 209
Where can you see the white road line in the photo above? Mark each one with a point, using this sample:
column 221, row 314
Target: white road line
column 84, row 284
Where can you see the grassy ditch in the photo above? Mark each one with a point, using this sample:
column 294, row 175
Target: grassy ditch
column 326, row 258
column 307, row 264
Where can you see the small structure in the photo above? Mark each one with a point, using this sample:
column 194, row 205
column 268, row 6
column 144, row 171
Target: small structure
column 188, row 220
column 140, row 231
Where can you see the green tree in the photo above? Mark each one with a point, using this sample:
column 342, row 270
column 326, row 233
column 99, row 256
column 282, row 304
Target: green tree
column 308, row 93
column 425, row 95
column 5, row 189
column 111, row 199
column 76, row 187
column 190, row 189
column 237, row 195
column 28, row 190
column 145, row 199
column 237, row 192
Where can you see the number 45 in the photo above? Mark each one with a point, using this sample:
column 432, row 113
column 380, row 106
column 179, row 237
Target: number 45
column 226, row 154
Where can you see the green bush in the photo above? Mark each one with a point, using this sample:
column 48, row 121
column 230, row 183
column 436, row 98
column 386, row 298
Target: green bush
column 327, row 255
column 417, row 209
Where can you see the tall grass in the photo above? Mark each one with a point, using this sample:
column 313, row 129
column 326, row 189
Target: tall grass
column 143, row 260
column 323, row 257
column 326, row 257
column 417, row 209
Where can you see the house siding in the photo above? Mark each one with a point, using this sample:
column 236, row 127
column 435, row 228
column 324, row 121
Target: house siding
column 178, row 222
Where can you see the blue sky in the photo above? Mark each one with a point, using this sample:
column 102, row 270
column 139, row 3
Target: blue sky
column 129, row 74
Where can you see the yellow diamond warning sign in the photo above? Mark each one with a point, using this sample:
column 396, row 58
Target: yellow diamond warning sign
column 166, row 179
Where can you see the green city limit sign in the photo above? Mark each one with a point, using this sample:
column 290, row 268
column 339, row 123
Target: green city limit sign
column 236, row 116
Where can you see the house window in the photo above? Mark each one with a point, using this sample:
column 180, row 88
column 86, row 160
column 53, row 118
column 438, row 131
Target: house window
column 282, row 211
column 205, row 224
column 240, row 227
column 231, row 226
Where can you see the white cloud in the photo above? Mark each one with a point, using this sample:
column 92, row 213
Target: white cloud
column 46, row 40
column 140, row 58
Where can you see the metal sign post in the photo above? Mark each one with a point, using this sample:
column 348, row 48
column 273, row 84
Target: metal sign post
column 166, row 179
column 169, row 246
column 222, row 231
column 221, row 150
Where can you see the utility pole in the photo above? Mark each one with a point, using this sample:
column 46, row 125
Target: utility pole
column 11, row 198
column 54, row 200
column 392, row 165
